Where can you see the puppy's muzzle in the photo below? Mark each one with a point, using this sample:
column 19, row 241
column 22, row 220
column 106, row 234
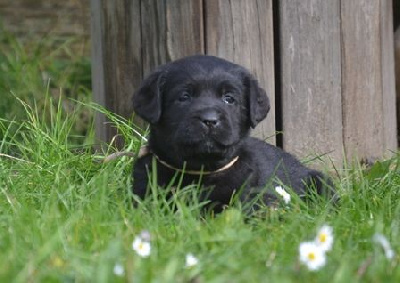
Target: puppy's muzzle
column 209, row 118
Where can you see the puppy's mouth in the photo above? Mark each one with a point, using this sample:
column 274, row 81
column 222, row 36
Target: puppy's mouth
column 207, row 140
column 206, row 152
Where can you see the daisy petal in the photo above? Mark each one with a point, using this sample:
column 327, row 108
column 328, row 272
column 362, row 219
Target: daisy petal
column 141, row 247
column 191, row 260
column 312, row 255
column 324, row 238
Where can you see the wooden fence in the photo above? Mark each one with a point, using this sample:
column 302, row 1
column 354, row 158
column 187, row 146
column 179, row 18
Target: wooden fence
column 327, row 65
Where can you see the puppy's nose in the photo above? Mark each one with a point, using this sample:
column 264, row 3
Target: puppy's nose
column 209, row 118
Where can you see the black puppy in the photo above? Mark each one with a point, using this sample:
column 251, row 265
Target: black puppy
column 200, row 110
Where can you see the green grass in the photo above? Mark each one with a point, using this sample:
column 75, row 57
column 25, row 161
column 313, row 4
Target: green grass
column 49, row 67
column 66, row 217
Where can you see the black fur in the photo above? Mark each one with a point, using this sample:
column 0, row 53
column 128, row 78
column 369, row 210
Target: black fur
column 200, row 110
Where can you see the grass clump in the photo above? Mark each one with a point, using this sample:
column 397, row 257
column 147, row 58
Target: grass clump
column 31, row 70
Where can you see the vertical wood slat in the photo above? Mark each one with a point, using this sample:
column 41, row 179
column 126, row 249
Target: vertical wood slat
column 152, row 31
column 242, row 32
column 311, row 77
column 388, row 78
column 170, row 30
column 116, row 58
column 397, row 72
column 368, row 75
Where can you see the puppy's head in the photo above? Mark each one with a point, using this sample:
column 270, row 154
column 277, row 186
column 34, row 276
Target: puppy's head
column 200, row 108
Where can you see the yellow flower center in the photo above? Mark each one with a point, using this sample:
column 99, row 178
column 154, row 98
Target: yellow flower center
column 322, row 238
column 311, row 256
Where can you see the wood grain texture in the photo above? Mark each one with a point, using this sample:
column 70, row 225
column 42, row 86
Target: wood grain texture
column 242, row 32
column 311, row 77
column 368, row 126
column 388, row 79
column 153, row 33
column 397, row 73
column 116, row 59
column 170, row 30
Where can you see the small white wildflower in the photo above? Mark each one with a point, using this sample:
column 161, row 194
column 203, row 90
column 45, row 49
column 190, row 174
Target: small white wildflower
column 119, row 270
column 324, row 238
column 312, row 255
column 383, row 241
column 191, row 260
column 141, row 247
column 281, row 191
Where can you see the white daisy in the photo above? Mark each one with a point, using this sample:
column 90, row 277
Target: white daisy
column 119, row 270
column 191, row 260
column 324, row 238
column 383, row 241
column 312, row 255
column 141, row 247
column 284, row 194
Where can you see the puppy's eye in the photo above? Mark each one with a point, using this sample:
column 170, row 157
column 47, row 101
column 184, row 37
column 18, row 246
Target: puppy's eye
column 228, row 99
column 185, row 96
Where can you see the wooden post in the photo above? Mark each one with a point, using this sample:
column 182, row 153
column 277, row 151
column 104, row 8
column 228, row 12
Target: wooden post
column 397, row 73
column 170, row 30
column 369, row 113
column 390, row 142
column 242, row 32
column 311, row 77
column 116, row 59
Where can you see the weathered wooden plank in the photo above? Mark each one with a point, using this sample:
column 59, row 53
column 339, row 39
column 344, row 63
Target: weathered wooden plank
column 242, row 32
column 98, row 75
column 367, row 87
column 153, row 32
column 388, row 78
column 185, row 32
column 170, row 30
column 116, row 58
column 311, row 77
column 397, row 73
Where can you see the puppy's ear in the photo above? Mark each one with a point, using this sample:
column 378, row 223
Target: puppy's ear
column 147, row 99
column 258, row 102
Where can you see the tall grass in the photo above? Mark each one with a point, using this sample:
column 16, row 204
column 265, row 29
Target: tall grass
column 32, row 70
